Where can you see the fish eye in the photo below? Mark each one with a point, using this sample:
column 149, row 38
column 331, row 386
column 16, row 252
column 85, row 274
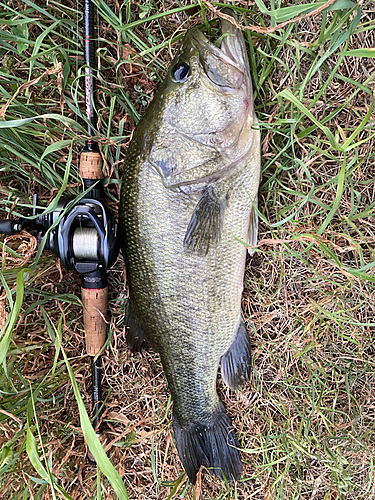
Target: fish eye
column 180, row 72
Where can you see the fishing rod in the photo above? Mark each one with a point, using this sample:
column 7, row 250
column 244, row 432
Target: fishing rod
column 85, row 238
column 94, row 288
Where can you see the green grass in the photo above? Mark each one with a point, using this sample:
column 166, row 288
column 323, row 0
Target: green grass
column 306, row 420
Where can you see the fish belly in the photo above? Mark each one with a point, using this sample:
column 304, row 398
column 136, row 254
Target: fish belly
column 188, row 304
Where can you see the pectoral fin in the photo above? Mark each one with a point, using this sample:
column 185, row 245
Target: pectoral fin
column 206, row 223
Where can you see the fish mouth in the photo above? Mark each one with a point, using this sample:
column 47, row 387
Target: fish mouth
column 227, row 66
column 233, row 45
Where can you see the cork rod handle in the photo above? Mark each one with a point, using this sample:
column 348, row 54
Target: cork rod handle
column 94, row 315
column 90, row 166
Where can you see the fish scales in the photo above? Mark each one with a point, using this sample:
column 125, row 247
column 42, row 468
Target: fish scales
column 189, row 188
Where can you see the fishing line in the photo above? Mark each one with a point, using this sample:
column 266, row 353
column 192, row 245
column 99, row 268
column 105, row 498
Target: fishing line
column 85, row 243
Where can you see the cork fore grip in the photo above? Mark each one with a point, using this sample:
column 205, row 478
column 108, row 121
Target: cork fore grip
column 90, row 165
column 94, row 314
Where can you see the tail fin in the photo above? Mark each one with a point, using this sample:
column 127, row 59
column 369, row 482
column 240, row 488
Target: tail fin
column 212, row 445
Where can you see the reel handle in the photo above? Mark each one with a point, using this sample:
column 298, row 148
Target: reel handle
column 9, row 227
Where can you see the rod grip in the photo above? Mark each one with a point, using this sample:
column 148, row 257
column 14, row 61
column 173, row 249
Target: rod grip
column 90, row 165
column 94, row 314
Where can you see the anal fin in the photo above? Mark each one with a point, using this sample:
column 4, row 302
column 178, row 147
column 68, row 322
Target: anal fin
column 206, row 223
column 236, row 362
column 136, row 337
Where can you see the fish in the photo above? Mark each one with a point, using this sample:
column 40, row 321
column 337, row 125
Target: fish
column 187, row 215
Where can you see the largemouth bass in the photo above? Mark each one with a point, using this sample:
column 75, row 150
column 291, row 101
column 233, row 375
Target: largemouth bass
column 187, row 207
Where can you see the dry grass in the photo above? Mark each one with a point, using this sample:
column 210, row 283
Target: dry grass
column 306, row 421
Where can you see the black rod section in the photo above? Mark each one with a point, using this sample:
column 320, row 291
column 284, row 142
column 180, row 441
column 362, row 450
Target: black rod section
column 90, row 70
column 97, row 403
